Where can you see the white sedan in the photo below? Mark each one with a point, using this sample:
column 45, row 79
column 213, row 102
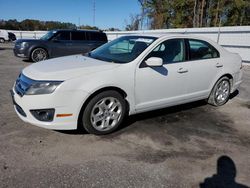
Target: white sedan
column 129, row 75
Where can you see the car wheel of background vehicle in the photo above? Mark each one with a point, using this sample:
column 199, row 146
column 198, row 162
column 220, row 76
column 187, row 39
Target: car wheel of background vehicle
column 2, row 40
column 39, row 54
column 221, row 92
column 104, row 113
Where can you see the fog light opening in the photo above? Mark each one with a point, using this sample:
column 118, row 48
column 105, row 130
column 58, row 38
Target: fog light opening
column 46, row 115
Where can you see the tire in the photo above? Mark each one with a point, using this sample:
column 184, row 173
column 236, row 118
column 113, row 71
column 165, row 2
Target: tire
column 2, row 40
column 38, row 54
column 104, row 113
column 221, row 92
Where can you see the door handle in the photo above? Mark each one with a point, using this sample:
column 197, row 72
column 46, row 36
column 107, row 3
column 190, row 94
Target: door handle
column 181, row 70
column 218, row 65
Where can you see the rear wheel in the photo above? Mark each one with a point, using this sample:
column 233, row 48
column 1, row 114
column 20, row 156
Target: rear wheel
column 221, row 92
column 39, row 54
column 104, row 113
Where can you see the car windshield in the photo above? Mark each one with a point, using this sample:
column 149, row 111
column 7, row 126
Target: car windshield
column 48, row 35
column 122, row 50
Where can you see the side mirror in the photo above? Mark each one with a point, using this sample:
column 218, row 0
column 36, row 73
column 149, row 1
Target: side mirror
column 154, row 62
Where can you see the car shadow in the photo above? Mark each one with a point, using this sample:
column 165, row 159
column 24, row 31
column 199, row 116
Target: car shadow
column 234, row 94
column 225, row 176
column 27, row 61
column 129, row 120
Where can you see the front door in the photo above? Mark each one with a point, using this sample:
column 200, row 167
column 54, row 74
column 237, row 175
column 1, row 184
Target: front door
column 157, row 87
column 61, row 45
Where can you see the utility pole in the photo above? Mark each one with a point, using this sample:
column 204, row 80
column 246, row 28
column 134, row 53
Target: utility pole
column 79, row 22
column 94, row 9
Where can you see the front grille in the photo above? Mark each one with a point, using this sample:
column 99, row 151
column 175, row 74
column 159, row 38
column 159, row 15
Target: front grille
column 22, row 84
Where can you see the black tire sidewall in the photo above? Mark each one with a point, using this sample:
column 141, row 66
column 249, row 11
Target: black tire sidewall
column 87, row 112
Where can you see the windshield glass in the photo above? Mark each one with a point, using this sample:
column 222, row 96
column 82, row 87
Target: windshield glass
column 123, row 49
column 48, row 35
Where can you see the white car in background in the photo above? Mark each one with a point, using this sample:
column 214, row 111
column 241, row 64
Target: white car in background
column 4, row 36
column 129, row 75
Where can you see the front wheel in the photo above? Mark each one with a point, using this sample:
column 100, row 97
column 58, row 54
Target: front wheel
column 39, row 54
column 2, row 40
column 104, row 113
column 220, row 93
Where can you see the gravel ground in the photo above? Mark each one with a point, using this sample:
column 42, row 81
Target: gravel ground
column 174, row 147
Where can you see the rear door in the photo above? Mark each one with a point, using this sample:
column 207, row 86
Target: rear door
column 203, row 65
column 96, row 39
column 79, row 42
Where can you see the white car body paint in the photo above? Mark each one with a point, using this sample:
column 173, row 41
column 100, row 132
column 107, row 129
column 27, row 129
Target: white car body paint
column 146, row 89
column 4, row 34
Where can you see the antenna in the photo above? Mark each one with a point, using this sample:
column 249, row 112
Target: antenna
column 94, row 9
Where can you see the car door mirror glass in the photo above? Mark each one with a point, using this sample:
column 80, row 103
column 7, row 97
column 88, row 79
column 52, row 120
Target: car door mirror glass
column 154, row 62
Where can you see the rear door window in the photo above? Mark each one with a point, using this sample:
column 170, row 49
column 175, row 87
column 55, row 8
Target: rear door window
column 199, row 49
column 78, row 35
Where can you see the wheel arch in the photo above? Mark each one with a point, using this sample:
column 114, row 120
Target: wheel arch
column 100, row 90
column 3, row 39
column 228, row 75
column 230, row 79
column 35, row 47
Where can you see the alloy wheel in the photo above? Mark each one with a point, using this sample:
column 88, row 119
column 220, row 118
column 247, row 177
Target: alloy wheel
column 106, row 113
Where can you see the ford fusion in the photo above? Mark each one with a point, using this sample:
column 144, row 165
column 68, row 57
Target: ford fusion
column 129, row 75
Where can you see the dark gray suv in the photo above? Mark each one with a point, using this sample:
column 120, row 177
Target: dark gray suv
column 58, row 43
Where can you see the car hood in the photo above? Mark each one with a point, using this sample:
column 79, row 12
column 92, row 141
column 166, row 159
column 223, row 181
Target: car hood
column 28, row 40
column 65, row 68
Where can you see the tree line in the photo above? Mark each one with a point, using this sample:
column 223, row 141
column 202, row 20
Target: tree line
column 32, row 25
column 160, row 14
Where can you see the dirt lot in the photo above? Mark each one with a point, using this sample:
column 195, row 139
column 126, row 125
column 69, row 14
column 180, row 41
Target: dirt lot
column 173, row 147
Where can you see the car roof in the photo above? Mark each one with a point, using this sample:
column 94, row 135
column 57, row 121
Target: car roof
column 95, row 31
column 166, row 36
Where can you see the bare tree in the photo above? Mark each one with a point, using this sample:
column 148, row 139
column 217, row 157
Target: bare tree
column 133, row 23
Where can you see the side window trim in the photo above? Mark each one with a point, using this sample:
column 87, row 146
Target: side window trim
column 187, row 48
column 143, row 64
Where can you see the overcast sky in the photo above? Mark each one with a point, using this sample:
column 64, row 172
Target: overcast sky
column 109, row 13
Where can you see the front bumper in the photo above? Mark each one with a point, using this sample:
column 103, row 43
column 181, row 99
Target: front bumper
column 23, row 53
column 67, row 102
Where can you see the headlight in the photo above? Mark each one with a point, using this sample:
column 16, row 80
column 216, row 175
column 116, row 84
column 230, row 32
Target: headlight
column 24, row 45
column 42, row 87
